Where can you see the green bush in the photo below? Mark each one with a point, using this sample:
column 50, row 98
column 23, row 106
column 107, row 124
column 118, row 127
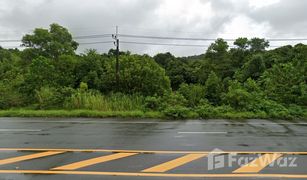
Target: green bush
column 93, row 100
column 152, row 103
column 124, row 102
column 296, row 111
column 52, row 98
column 172, row 99
column 238, row 98
column 9, row 97
column 161, row 103
column 138, row 74
column 206, row 111
column 224, row 109
column 246, row 81
column 177, row 112
column 194, row 93
column 286, row 83
column 274, row 109
column 213, row 88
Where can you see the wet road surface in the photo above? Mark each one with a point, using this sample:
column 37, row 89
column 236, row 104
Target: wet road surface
column 83, row 148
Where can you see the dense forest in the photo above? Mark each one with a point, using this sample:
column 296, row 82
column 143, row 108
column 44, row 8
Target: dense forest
column 246, row 81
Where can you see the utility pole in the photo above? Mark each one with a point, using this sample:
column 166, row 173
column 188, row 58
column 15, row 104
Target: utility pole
column 116, row 43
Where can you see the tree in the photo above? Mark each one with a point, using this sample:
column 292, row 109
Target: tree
column 286, row 83
column 198, row 71
column 237, row 97
column 65, row 70
column 138, row 74
column 252, row 69
column 176, row 69
column 41, row 73
column 91, row 70
column 218, row 56
column 163, row 59
column 11, row 76
column 50, row 43
column 258, row 44
column 241, row 43
column 245, row 96
column 213, row 88
column 193, row 93
column 239, row 55
column 282, row 54
column 218, row 48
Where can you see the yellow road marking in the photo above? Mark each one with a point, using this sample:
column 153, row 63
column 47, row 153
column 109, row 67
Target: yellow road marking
column 93, row 161
column 149, row 151
column 28, row 157
column 258, row 164
column 174, row 163
column 154, row 174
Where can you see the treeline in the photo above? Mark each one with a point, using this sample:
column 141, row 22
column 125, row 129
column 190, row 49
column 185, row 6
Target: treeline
column 246, row 81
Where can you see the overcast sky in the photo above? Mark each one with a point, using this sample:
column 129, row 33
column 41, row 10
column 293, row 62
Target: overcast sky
column 178, row 18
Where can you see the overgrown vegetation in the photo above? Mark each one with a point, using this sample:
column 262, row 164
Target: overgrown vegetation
column 48, row 78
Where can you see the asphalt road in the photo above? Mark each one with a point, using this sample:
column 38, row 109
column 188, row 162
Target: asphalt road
column 79, row 148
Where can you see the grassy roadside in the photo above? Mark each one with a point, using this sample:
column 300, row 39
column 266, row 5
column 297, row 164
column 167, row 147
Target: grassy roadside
column 78, row 113
column 135, row 114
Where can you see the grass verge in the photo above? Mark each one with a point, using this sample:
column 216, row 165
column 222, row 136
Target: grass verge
column 78, row 113
column 136, row 114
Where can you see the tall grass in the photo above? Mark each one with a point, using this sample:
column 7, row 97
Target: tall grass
column 78, row 113
column 111, row 102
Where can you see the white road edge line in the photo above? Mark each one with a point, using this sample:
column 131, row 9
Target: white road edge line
column 202, row 132
column 20, row 130
column 153, row 122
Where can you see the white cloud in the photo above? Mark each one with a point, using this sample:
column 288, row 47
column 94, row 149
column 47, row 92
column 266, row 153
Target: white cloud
column 178, row 18
column 243, row 26
column 185, row 11
column 262, row 3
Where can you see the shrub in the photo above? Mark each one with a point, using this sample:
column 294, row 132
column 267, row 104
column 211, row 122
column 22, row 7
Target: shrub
column 172, row 99
column 93, row 100
column 206, row 111
column 238, row 98
column 138, row 74
column 194, row 93
column 50, row 97
column 285, row 83
column 177, row 112
column 296, row 111
column 152, row 103
column 274, row 109
column 124, row 102
column 9, row 97
column 213, row 88
column 224, row 109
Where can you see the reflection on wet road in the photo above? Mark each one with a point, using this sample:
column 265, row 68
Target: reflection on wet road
column 59, row 146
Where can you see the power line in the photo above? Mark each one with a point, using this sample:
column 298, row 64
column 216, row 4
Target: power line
column 95, row 36
column 163, row 44
column 92, row 36
column 10, row 40
column 203, row 39
column 146, row 43
column 10, row 47
column 287, row 39
column 169, row 38
column 97, row 42
column 162, row 38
